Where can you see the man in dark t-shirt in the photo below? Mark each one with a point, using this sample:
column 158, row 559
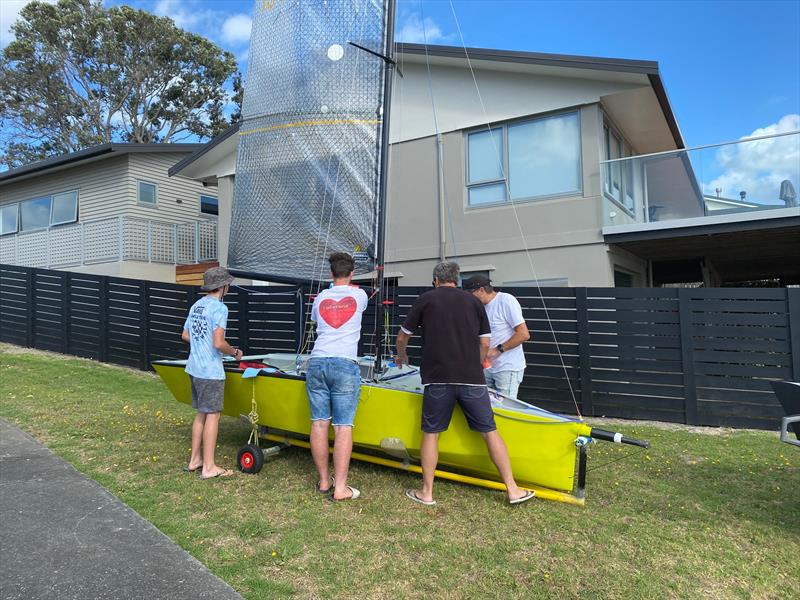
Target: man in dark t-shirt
column 455, row 340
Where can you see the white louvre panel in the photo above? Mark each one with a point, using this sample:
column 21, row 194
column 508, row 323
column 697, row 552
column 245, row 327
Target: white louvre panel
column 136, row 240
column 32, row 249
column 65, row 246
column 8, row 249
column 162, row 242
column 185, row 239
column 208, row 240
column 102, row 240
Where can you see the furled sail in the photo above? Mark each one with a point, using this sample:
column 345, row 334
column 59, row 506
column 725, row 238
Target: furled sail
column 307, row 171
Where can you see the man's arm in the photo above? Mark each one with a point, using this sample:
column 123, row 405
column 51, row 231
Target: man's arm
column 185, row 335
column 521, row 334
column 485, row 340
column 402, row 343
column 221, row 344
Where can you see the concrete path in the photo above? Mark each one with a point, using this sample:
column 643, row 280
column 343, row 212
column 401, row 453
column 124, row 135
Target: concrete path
column 64, row 536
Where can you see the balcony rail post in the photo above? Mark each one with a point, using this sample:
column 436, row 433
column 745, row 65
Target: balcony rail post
column 121, row 234
column 197, row 241
column 149, row 240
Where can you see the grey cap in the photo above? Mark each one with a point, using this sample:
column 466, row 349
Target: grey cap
column 215, row 278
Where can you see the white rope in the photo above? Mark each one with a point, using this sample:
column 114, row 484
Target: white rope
column 514, row 207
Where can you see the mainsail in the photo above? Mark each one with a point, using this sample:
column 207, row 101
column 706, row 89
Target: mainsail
column 308, row 169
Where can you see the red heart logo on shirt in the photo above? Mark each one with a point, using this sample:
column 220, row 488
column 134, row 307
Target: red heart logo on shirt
column 337, row 313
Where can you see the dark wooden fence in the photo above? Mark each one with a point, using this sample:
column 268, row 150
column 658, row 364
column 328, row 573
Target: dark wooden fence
column 696, row 356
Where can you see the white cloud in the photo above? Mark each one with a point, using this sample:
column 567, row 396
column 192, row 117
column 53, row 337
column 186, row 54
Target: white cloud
column 236, row 29
column 416, row 30
column 759, row 167
column 187, row 15
column 9, row 12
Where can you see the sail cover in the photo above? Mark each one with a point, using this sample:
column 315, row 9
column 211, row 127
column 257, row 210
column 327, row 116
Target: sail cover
column 307, row 171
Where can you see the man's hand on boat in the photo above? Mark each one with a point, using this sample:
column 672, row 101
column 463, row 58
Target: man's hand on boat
column 400, row 360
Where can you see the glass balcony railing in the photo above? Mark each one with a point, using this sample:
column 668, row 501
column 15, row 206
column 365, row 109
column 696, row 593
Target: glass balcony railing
column 756, row 174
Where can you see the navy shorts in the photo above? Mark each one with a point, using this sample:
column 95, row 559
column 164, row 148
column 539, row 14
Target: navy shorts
column 440, row 399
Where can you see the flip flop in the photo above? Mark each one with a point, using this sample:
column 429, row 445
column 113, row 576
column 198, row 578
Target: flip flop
column 530, row 494
column 355, row 494
column 412, row 495
column 223, row 473
column 328, row 491
column 195, row 470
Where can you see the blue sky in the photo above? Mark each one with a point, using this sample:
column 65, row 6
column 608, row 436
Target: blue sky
column 730, row 68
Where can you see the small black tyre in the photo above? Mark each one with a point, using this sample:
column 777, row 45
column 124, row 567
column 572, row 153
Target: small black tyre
column 250, row 459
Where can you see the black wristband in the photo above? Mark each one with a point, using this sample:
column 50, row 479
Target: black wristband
column 500, row 348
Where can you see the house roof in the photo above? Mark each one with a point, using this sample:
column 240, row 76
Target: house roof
column 89, row 154
column 564, row 61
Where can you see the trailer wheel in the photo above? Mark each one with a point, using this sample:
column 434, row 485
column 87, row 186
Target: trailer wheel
column 250, row 459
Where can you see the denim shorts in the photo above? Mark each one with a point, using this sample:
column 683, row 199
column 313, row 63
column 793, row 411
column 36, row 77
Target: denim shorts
column 333, row 385
column 504, row 382
column 439, row 400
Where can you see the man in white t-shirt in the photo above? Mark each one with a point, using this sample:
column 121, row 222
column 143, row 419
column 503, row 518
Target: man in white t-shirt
column 333, row 380
column 506, row 360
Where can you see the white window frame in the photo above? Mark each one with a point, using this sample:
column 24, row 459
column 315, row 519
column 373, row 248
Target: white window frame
column 205, row 214
column 505, row 162
column 139, row 200
column 16, row 229
column 625, row 150
column 52, row 205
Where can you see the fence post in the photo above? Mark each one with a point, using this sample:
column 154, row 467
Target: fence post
column 30, row 307
column 144, row 361
column 793, row 307
column 65, row 311
column 584, row 351
column 687, row 356
column 102, row 319
column 149, row 241
column 174, row 243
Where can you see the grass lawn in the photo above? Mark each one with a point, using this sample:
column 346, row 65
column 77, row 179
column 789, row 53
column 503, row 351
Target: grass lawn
column 705, row 513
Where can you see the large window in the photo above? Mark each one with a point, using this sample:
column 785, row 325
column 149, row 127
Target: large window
column 147, row 193
column 209, row 205
column 39, row 213
column 9, row 218
column 530, row 159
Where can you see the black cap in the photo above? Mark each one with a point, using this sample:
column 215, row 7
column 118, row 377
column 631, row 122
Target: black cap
column 476, row 281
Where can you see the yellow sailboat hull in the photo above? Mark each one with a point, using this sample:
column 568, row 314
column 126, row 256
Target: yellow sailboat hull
column 541, row 445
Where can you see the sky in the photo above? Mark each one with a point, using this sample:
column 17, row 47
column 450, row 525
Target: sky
column 731, row 68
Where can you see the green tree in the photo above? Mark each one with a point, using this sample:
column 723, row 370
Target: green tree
column 79, row 74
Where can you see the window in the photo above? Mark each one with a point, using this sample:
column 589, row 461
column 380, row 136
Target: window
column 618, row 172
column 622, row 279
column 467, row 274
column 147, row 193
column 65, row 208
column 209, row 205
column 34, row 214
column 541, row 157
column 9, row 218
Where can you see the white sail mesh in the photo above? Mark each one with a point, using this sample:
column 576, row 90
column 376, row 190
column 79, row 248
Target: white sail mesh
column 307, row 170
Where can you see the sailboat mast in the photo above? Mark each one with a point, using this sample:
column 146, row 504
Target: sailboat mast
column 388, row 76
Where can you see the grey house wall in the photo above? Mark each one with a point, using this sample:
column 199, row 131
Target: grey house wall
column 178, row 198
column 562, row 235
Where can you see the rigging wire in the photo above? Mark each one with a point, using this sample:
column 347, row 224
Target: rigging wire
column 514, row 207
